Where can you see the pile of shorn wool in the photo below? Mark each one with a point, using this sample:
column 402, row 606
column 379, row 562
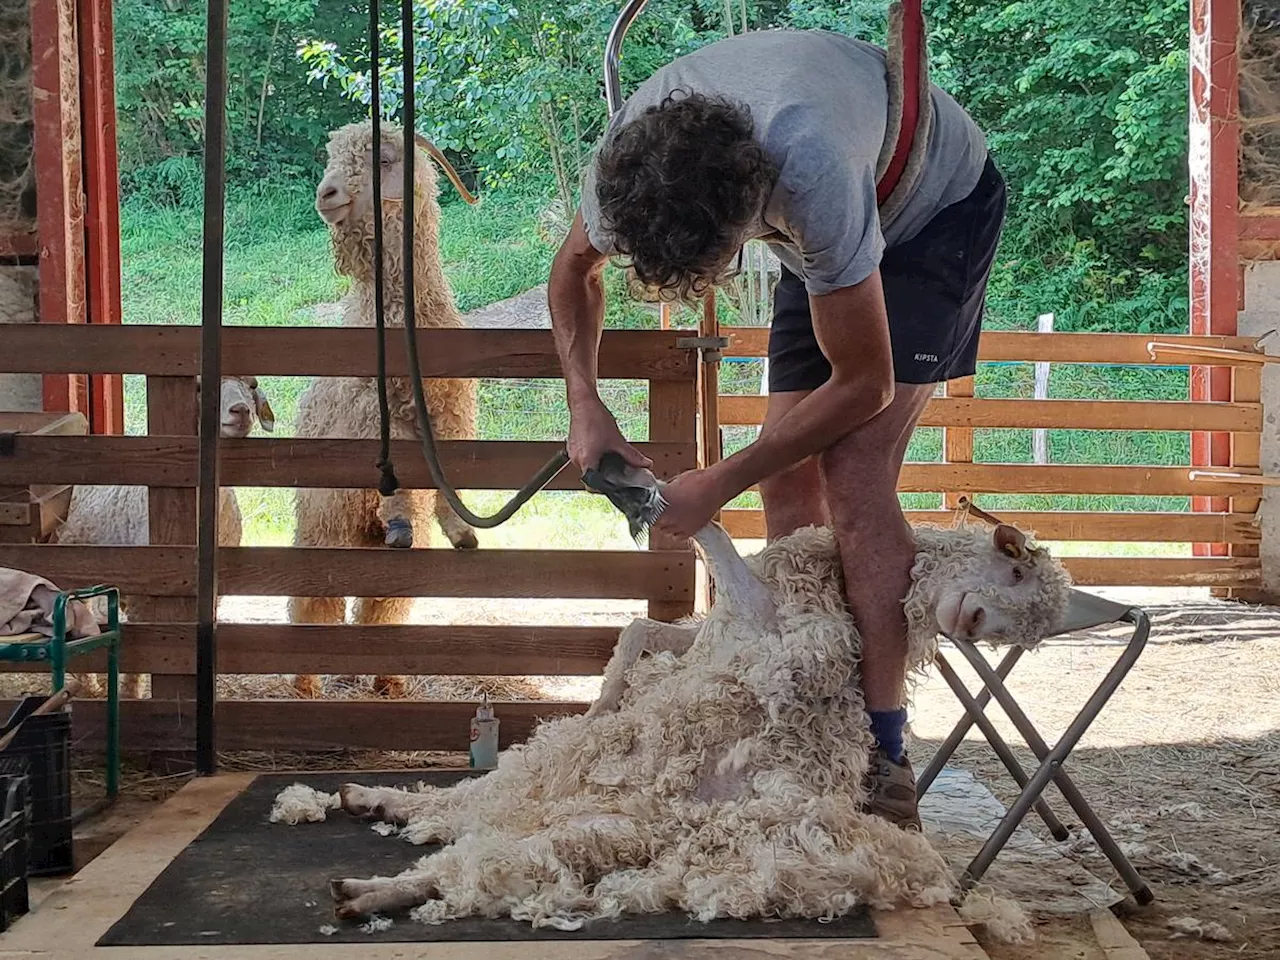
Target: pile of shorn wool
column 728, row 784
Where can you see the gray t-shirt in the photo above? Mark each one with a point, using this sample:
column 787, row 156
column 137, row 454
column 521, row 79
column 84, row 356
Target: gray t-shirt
column 819, row 103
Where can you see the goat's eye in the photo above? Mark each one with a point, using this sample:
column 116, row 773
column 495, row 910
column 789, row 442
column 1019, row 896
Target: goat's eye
column 1018, row 574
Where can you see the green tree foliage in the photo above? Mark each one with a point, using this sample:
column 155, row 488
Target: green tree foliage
column 277, row 118
column 1085, row 110
column 1084, row 106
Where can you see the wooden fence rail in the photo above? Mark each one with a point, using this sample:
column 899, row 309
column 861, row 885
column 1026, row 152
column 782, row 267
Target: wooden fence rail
column 959, row 413
column 166, row 460
column 663, row 576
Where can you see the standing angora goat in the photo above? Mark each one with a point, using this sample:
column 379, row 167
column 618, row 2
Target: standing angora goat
column 119, row 515
column 729, row 781
column 348, row 407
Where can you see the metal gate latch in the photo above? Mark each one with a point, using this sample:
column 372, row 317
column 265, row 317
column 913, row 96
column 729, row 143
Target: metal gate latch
column 710, row 347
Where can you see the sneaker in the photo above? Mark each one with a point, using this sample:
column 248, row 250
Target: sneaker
column 892, row 791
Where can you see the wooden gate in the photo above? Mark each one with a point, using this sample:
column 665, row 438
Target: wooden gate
column 166, row 460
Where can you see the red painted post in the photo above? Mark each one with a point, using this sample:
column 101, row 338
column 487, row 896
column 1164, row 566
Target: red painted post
column 59, row 191
column 1214, row 141
column 102, row 196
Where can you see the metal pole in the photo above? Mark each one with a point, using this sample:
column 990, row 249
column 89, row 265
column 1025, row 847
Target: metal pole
column 215, row 149
column 613, row 54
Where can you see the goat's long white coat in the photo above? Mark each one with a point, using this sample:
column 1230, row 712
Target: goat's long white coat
column 727, row 784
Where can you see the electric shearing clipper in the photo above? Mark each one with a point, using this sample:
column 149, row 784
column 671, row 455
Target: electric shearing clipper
column 633, row 490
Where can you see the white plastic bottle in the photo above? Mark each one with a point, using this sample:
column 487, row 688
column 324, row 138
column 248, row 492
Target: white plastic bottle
column 484, row 737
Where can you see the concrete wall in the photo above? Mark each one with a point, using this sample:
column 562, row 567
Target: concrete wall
column 18, row 391
column 1262, row 313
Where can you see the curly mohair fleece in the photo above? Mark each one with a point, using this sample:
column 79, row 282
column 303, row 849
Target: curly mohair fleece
column 347, row 407
column 727, row 784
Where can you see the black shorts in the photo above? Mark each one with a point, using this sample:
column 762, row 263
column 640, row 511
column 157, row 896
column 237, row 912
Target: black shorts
column 935, row 287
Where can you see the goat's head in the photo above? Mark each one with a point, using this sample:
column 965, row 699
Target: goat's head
column 344, row 196
column 243, row 401
column 994, row 587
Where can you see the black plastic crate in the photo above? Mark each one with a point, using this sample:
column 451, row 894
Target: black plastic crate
column 14, row 817
column 42, row 751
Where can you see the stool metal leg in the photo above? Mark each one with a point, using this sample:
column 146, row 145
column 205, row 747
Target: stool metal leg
column 999, row 746
column 948, row 747
column 1051, row 761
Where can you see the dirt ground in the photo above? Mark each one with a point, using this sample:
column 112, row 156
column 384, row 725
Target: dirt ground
column 1183, row 765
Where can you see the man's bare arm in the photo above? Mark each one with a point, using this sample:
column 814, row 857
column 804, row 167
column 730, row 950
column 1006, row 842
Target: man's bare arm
column 575, row 296
column 852, row 329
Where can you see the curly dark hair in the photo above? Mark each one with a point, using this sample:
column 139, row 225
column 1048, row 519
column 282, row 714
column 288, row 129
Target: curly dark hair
column 677, row 185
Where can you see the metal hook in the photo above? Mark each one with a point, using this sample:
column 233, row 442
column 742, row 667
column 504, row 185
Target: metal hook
column 613, row 54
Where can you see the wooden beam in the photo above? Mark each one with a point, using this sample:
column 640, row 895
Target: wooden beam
column 55, row 95
column 1213, row 162
column 659, row 575
column 1010, row 346
column 955, row 411
column 1070, row 525
column 383, row 650
column 673, row 411
column 957, row 440
column 1262, row 225
column 334, row 352
column 1058, row 478
column 1246, row 456
column 19, row 244
column 155, row 571
column 172, row 408
column 102, row 200
column 1163, row 571
column 287, row 462
column 308, row 725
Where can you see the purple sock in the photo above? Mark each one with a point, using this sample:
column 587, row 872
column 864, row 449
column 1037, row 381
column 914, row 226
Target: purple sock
column 887, row 727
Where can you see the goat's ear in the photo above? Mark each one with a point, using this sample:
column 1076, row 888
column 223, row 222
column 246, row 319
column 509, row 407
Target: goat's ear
column 1011, row 541
column 262, row 407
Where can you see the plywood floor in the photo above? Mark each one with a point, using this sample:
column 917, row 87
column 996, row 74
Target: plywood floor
column 66, row 924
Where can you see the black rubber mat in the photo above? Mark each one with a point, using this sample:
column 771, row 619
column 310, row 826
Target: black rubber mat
column 246, row 880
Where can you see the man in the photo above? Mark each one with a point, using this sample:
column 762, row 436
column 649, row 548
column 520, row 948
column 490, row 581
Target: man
column 775, row 135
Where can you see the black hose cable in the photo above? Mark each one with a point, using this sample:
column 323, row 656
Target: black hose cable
column 388, row 483
column 427, row 436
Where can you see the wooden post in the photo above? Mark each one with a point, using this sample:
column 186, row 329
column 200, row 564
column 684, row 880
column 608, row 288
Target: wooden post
column 673, row 410
column 172, row 410
column 102, row 196
column 957, row 442
column 55, row 87
column 1246, row 387
column 1040, row 439
column 1215, row 268
column 709, row 380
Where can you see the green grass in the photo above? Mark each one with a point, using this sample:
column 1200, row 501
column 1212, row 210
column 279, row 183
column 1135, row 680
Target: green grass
column 278, row 269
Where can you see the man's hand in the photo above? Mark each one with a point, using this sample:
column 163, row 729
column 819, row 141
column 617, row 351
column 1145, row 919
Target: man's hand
column 692, row 501
column 593, row 432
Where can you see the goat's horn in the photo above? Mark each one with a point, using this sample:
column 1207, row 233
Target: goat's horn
column 441, row 159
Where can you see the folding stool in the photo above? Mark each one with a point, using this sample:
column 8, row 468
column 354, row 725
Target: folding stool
column 1085, row 611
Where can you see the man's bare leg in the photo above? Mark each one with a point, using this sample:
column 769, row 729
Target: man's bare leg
column 876, row 543
column 877, row 550
column 795, row 497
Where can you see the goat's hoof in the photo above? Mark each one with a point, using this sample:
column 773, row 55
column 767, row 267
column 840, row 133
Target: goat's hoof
column 344, row 903
column 466, row 541
column 399, row 534
column 349, row 798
